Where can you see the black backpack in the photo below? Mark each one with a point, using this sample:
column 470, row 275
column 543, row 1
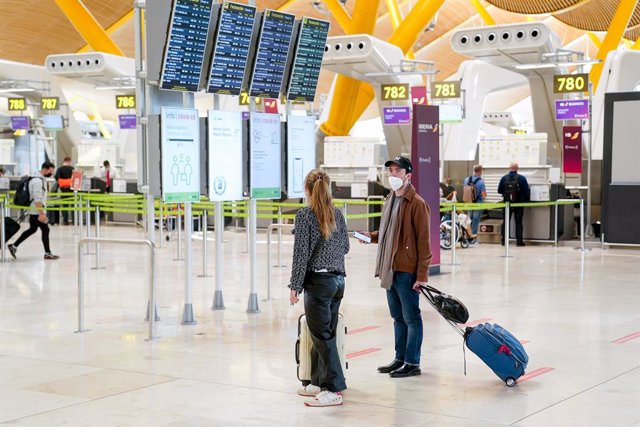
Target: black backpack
column 22, row 196
column 511, row 188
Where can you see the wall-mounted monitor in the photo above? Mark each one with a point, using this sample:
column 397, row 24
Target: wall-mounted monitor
column 20, row 122
column 312, row 38
column 271, row 57
column 186, row 45
column 53, row 122
column 228, row 72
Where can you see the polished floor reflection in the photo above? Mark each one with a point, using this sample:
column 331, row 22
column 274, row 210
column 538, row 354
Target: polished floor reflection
column 577, row 313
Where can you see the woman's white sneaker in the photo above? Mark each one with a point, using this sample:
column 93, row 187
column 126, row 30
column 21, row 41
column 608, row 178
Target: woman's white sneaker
column 325, row 398
column 309, row 390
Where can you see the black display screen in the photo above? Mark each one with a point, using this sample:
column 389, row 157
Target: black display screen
column 271, row 58
column 308, row 59
column 185, row 49
column 231, row 52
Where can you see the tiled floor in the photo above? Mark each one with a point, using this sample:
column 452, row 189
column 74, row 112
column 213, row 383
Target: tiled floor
column 235, row 368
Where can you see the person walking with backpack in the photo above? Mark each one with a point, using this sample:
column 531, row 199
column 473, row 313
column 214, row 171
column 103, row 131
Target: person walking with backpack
column 320, row 244
column 514, row 189
column 475, row 191
column 32, row 192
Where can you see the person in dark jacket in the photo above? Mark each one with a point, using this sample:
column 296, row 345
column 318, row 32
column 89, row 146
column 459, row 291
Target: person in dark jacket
column 320, row 244
column 63, row 179
column 402, row 264
column 515, row 189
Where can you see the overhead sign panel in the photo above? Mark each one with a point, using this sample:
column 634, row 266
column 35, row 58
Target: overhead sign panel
column 271, row 57
column 186, row 45
column 570, row 83
column 233, row 42
column 312, row 39
column 50, row 103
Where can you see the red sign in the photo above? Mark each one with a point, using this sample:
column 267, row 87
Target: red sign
column 271, row 105
column 572, row 149
column 76, row 180
column 418, row 94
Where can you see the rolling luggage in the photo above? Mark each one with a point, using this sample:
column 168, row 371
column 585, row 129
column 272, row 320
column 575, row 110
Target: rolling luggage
column 499, row 349
column 304, row 347
column 11, row 227
column 493, row 344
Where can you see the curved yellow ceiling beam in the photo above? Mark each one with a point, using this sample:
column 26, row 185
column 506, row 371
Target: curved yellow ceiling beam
column 113, row 27
column 636, row 45
column 612, row 38
column 414, row 24
column 488, row 20
column 396, row 20
column 347, row 90
column 88, row 27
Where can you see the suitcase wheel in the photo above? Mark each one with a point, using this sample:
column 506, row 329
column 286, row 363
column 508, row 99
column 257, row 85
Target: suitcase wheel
column 510, row 382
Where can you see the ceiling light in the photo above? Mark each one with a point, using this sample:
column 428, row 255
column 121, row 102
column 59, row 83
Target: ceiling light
column 114, row 87
column 555, row 64
column 16, row 89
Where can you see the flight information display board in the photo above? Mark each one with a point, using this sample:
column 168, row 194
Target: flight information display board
column 186, row 43
column 308, row 59
column 230, row 56
column 271, row 58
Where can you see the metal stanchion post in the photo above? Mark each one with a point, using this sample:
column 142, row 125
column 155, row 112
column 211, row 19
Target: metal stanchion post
column 75, row 212
column 97, row 267
column 507, row 232
column 80, row 216
column 454, row 234
column 582, row 227
column 3, row 242
column 204, row 244
column 252, row 306
column 88, row 224
column 178, row 227
column 187, row 312
column 160, row 227
column 555, row 229
column 218, row 300
column 280, row 264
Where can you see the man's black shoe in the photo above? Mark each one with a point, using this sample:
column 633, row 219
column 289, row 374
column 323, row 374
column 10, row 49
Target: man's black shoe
column 406, row 371
column 396, row 364
column 520, row 244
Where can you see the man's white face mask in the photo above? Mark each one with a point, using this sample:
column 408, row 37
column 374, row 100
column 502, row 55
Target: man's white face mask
column 395, row 183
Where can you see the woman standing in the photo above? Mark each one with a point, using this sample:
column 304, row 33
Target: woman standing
column 320, row 244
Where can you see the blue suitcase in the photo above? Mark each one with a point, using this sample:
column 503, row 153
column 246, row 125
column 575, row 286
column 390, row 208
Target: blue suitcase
column 500, row 350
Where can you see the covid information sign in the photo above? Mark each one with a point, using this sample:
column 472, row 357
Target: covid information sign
column 271, row 57
column 180, row 144
column 308, row 59
column 225, row 156
column 186, row 44
column 233, row 42
column 265, row 161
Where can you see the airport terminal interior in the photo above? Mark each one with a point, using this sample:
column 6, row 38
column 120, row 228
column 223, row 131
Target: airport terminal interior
column 159, row 152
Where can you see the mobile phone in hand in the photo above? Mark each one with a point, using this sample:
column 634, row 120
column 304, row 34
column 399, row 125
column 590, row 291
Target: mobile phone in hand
column 362, row 237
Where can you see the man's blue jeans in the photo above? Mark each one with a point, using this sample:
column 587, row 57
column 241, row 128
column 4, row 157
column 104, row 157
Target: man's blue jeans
column 404, row 306
column 475, row 220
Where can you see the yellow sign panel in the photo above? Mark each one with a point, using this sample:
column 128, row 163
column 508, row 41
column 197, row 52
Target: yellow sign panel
column 125, row 101
column 244, row 98
column 569, row 83
column 394, row 92
column 17, row 104
column 443, row 90
column 50, row 104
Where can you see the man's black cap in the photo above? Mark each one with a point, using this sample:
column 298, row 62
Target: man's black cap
column 401, row 162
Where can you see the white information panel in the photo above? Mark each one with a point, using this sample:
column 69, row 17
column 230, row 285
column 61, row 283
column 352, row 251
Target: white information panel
column 301, row 152
column 265, row 156
column 225, row 155
column 180, row 155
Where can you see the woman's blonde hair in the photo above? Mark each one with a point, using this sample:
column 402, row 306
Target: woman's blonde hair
column 318, row 186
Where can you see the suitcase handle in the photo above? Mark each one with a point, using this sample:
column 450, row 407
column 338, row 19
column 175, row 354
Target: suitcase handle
column 298, row 351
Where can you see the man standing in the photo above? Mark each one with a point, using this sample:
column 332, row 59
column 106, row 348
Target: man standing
column 402, row 264
column 63, row 178
column 109, row 174
column 37, row 213
column 515, row 189
column 476, row 185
